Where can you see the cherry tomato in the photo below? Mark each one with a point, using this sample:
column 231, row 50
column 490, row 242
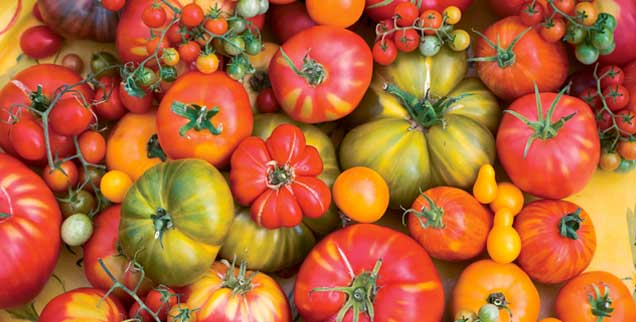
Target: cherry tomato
column 73, row 62
column 406, row 40
column 27, row 139
column 574, row 34
column 154, row 16
column 465, row 316
column 567, row 6
column 77, row 229
column 603, row 39
column 586, row 13
column 406, row 13
column 133, row 103
column 208, row 64
column 60, row 180
column 189, row 51
column 485, row 187
column 503, row 244
column 504, row 218
column 626, row 122
column 586, row 53
column 603, row 120
column 431, row 19
column 430, row 46
column 531, row 13
column 40, row 42
column 170, row 57
column 113, row 5
column 460, row 40
column 384, row 52
column 627, row 150
column 611, row 75
column 115, row 185
column 590, row 96
column 157, row 44
column 139, row 314
column 70, row 117
column 616, row 97
column 266, row 101
column 452, row 14
column 92, row 146
column 234, row 46
column 609, row 161
column 36, row 12
column 175, row 36
column 508, row 196
column 384, row 26
column 488, row 313
column 553, row 31
column 192, row 15
column 217, row 26
column 77, row 202
column 161, row 298
column 107, row 104
column 93, row 174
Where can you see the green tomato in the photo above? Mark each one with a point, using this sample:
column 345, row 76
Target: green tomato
column 248, row 8
column 264, row 6
column 238, row 25
column 626, row 166
column 236, row 71
column 79, row 202
column 234, row 46
column 446, row 28
column 168, row 73
column 101, row 63
column 146, row 76
column 489, row 313
column 430, row 46
column 602, row 39
column 574, row 34
column 77, row 229
column 586, row 53
column 253, row 46
column 608, row 50
column 605, row 20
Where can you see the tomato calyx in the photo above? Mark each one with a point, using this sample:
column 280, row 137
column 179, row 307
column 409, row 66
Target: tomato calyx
column 360, row 294
column 499, row 300
column 239, row 283
column 570, row 224
column 154, row 149
column 278, row 176
column 601, row 304
column 199, row 117
column 162, row 221
column 505, row 56
column 433, row 214
column 4, row 215
column 312, row 71
column 39, row 102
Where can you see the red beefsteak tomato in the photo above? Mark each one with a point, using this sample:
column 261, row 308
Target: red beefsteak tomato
column 557, row 240
column 279, row 178
column 29, row 232
column 512, row 57
column 83, row 304
column 204, row 116
column 321, row 73
column 383, row 9
column 449, row 223
column 624, row 36
column 550, row 150
column 375, row 272
column 289, row 19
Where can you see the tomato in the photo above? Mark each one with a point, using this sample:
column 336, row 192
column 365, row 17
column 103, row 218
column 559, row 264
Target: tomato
column 461, row 40
column 266, row 101
column 113, row 5
column 519, row 64
column 406, row 13
column 558, row 240
column 336, row 13
column 554, row 31
column 384, row 52
column 565, row 153
column 76, row 229
column 591, row 97
column 611, row 75
column 80, row 201
column 135, row 312
column 73, row 62
column 40, row 42
column 379, row 10
column 332, row 82
column 182, row 313
column 157, row 44
column 489, row 313
column 574, row 34
column 609, row 161
column 508, row 196
column 437, row 221
column 616, row 97
column 192, row 15
column 92, row 177
column 603, row 39
column 430, row 46
column 207, row 64
column 503, row 244
column 114, row 185
column 169, row 214
column 550, row 320
column 227, row 294
column 599, row 296
column 27, row 140
column 452, row 14
column 626, row 122
column 604, row 120
column 217, row 26
column 361, row 194
column 627, row 150
column 259, row 81
column 444, row 148
column 154, row 16
column 107, row 105
column 431, row 19
column 176, row 34
column 26, row 201
column 92, row 146
column 80, row 303
column 485, row 187
column 234, row 46
column 70, row 117
column 504, row 285
column 624, row 20
column 386, row 268
column 586, row 13
column 160, row 300
column 247, row 8
column 204, row 116
column 406, row 40
column 60, row 180
column 566, row 6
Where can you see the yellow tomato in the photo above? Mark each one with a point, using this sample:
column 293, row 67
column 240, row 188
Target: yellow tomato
column 452, row 14
column 485, row 188
column 504, row 244
column 504, row 218
column 508, row 196
column 115, row 185
column 361, row 194
column 587, row 12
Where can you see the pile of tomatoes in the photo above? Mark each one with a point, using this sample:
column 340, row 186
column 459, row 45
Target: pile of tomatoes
column 224, row 151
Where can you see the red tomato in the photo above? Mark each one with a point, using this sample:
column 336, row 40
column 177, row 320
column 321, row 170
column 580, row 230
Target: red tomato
column 337, row 73
column 616, row 97
column 612, row 75
column 27, row 140
column 108, row 105
column 624, row 36
column 29, row 232
column 437, row 220
column 133, row 103
column 406, row 40
column 531, row 14
column 278, row 178
column 62, row 146
column 70, row 117
column 406, row 13
column 154, row 16
column 161, row 299
column 40, row 42
column 79, row 303
column 566, row 155
column 431, row 19
column 554, row 31
column 157, row 43
column 627, row 150
column 217, row 26
column 626, row 122
column 384, row 53
column 557, row 240
column 60, row 180
column 92, row 146
column 113, row 5
column 192, row 15
column 379, row 9
column 36, row 12
column 266, row 101
column 212, row 134
column 189, row 51
column 389, row 266
column 598, row 296
column 136, row 312
column 604, row 120
column 289, row 19
column 590, row 96
column 174, row 35
column 531, row 60
column 566, row 6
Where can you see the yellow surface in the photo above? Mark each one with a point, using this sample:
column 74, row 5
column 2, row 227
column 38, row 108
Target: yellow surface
column 607, row 198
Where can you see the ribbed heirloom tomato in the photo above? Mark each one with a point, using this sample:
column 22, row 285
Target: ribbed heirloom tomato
column 370, row 271
column 321, row 73
column 83, row 304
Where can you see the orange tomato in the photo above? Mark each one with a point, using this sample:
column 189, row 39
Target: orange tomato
column 59, row 180
column 182, row 313
column 115, row 185
column 83, row 304
column 550, row 320
column 508, row 196
column 92, row 146
column 361, row 194
column 339, row 13
column 485, row 188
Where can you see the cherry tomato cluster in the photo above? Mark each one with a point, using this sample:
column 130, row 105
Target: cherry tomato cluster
column 579, row 24
column 409, row 30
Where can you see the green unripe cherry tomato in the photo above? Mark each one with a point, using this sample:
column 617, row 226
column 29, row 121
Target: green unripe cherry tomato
column 608, row 50
column 168, row 73
column 574, row 34
column 77, row 229
column 80, row 202
column 264, row 6
column 489, row 313
column 602, row 39
column 430, row 46
column 626, row 166
column 238, row 25
column 465, row 316
column 253, row 46
column 248, row 8
column 236, row 71
column 147, row 76
column 605, row 20
column 586, row 53
column 102, row 62
column 234, row 46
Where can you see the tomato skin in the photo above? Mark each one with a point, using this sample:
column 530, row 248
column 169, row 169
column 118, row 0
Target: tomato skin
column 508, row 196
column 76, row 304
column 485, row 187
column 578, row 291
column 406, row 13
column 70, row 117
column 27, row 139
column 612, row 75
column 610, row 161
column 627, row 150
column 547, row 255
column 535, row 60
column 554, row 32
column 266, row 101
column 154, row 17
column 217, row 26
column 192, row 15
column 566, row 161
column 60, row 181
column 361, row 194
column 346, row 80
column 626, row 122
column 616, row 97
column 462, row 237
column 404, row 263
column 407, row 40
column 114, row 185
column 31, row 255
column 109, row 106
column 625, row 13
column 40, row 42
column 337, row 13
column 133, row 103
column 189, row 51
column 92, row 146
column 385, row 53
column 289, row 19
column 155, row 301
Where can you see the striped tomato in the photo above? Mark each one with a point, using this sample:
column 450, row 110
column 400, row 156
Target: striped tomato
column 83, row 304
column 321, row 73
column 381, row 274
column 228, row 294
column 29, row 232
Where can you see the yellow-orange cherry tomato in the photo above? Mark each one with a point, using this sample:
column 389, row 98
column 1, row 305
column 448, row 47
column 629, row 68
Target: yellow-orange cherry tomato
column 587, row 12
column 485, row 187
column 508, row 196
column 115, row 185
column 207, row 64
column 503, row 244
column 504, row 218
column 452, row 14
column 59, row 180
column 361, row 194
column 339, row 13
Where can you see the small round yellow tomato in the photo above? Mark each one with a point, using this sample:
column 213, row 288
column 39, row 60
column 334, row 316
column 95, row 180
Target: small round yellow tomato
column 461, row 40
column 115, row 185
column 550, row 320
column 182, row 312
column 508, row 196
column 361, row 194
column 587, row 13
column 485, row 187
column 504, row 244
column 452, row 14
column 504, row 218
column 207, row 64
column 170, row 56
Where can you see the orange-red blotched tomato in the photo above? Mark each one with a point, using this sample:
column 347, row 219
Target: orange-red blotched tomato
column 83, row 304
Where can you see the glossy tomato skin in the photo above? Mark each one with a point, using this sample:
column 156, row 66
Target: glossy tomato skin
column 546, row 255
column 566, row 161
column 579, row 290
column 461, row 236
column 409, row 288
column 347, row 62
column 536, row 60
column 625, row 13
column 40, row 42
column 378, row 13
column 103, row 245
column 81, row 304
column 29, row 256
column 259, row 81
column 264, row 301
column 289, row 19
column 211, row 90
column 109, row 106
column 484, row 278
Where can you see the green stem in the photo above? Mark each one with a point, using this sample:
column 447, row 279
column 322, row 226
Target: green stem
column 499, row 300
column 278, row 176
column 311, row 70
column 199, row 117
column 154, row 149
column 240, row 283
column 570, row 224
column 504, row 57
column 162, row 221
column 601, row 303
column 433, row 214
column 4, row 215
